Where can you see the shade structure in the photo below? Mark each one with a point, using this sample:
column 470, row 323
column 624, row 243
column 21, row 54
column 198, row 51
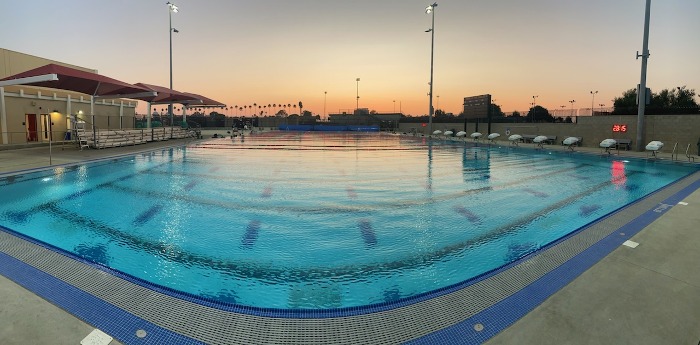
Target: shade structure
column 79, row 81
column 570, row 141
column 608, row 143
column 539, row 139
column 202, row 101
column 166, row 95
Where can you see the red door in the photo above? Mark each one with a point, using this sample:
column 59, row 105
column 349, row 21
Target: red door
column 30, row 121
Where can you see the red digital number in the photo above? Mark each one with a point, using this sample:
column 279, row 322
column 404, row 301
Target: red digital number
column 619, row 128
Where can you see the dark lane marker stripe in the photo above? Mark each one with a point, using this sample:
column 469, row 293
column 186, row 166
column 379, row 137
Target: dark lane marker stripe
column 190, row 185
column 267, row 192
column 147, row 215
column 251, row 233
column 367, row 232
column 351, row 192
column 471, row 216
column 536, row 193
column 586, row 210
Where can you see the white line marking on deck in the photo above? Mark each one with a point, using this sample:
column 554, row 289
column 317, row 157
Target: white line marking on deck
column 96, row 337
column 631, row 244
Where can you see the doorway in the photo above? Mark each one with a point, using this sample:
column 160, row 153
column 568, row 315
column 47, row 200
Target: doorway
column 31, row 127
column 46, row 127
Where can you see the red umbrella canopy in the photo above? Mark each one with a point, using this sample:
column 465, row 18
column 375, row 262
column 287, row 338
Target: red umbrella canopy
column 166, row 95
column 203, row 101
column 79, row 81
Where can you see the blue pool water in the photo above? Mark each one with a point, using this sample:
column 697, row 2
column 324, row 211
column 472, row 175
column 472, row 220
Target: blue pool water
column 321, row 220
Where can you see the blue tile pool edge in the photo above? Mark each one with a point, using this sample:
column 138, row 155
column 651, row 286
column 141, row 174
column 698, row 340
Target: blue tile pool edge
column 503, row 314
column 86, row 307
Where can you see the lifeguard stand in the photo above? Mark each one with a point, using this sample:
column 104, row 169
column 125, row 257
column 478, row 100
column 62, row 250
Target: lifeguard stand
column 77, row 132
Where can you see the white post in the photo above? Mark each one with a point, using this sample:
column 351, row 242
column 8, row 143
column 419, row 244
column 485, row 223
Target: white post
column 148, row 115
column 92, row 118
column 69, row 105
column 3, row 117
column 121, row 114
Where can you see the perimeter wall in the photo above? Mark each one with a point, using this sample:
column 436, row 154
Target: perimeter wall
column 669, row 129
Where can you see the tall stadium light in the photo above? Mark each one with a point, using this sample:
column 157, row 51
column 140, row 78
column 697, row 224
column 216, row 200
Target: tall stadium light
column 357, row 104
column 172, row 8
column 642, row 91
column 534, row 104
column 572, row 108
column 431, row 10
column 592, row 100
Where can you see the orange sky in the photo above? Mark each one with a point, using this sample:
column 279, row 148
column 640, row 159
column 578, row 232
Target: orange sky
column 280, row 51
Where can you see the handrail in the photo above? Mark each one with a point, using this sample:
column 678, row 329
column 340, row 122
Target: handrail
column 674, row 151
column 687, row 154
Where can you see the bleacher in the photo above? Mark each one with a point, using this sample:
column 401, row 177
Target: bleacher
column 101, row 139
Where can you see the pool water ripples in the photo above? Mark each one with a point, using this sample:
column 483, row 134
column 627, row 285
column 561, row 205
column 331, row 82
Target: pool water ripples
column 321, row 220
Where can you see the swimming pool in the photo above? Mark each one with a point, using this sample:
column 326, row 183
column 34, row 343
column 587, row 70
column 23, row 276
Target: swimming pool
column 317, row 221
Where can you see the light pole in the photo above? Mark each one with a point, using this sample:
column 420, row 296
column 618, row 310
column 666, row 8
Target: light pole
column 572, row 108
column 431, row 10
column 642, row 90
column 172, row 8
column 592, row 100
column 601, row 108
column 325, row 97
column 394, row 106
column 534, row 103
column 357, row 105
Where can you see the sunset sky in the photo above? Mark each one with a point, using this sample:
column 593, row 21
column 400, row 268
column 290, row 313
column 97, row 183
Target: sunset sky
column 286, row 51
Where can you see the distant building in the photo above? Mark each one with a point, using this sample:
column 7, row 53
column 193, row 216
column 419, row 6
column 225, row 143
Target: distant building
column 477, row 107
column 363, row 117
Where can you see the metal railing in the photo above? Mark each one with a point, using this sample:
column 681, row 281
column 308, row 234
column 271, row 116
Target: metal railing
column 674, row 153
column 690, row 157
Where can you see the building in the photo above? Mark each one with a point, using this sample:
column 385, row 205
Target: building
column 30, row 115
column 364, row 117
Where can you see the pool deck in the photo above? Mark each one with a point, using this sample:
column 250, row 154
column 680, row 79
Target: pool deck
column 644, row 295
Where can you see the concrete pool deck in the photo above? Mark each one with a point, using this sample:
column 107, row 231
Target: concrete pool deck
column 646, row 295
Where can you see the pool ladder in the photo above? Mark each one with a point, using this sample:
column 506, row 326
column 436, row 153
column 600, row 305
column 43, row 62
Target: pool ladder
column 687, row 154
column 674, row 153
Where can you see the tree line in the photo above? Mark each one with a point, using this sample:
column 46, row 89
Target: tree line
column 679, row 100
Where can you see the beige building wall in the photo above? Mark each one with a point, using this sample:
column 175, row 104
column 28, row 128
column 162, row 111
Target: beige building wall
column 669, row 129
column 25, row 110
